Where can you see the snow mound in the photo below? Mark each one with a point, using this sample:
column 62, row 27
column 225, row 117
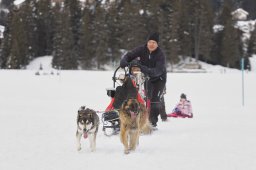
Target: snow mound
column 44, row 62
column 204, row 67
column 18, row 2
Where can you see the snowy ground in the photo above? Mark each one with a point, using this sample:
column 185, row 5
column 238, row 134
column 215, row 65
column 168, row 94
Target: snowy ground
column 253, row 63
column 38, row 124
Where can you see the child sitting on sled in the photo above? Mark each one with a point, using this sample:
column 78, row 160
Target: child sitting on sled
column 183, row 108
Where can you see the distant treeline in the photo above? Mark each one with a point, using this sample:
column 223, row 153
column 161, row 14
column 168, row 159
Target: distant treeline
column 91, row 34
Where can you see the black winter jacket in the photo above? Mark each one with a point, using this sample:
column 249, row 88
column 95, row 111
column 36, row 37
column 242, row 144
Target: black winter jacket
column 152, row 64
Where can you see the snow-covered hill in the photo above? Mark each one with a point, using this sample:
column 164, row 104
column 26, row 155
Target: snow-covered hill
column 45, row 63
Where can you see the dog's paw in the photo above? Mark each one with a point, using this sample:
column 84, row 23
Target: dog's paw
column 79, row 148
column 126, row 152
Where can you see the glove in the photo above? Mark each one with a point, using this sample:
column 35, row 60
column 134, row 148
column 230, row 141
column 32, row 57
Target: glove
column 144, row 69
column 123, row 63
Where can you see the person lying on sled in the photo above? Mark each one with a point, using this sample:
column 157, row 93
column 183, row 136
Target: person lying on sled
column 183, row 108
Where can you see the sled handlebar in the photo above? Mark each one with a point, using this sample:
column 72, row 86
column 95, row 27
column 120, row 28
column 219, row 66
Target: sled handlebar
column 114, row 78
column 131, row 69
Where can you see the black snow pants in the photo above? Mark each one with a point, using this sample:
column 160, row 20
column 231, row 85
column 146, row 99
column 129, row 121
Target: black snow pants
column 155, row 94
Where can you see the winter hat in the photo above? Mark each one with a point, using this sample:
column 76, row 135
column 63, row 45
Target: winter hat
column 183, row 96
column 154, row 36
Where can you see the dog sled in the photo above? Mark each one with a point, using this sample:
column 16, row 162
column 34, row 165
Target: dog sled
column 127, row 83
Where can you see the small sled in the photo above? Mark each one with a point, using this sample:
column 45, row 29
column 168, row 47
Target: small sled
column 176, row 113
column 179, row 115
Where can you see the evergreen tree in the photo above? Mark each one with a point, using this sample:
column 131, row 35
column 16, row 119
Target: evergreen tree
column 28, row 16
column 45, row 27
column 204, row 32
column 138, row 23
column 215, row 52
column 17, row 57
column 193, row 29
column 153, row 11
column 169, row 30
column 100, row 37
column 231, row 47
column 226, row 10
column 64, row 57
column 252, row 43
column 185, row 29
column 86, row 40
column 114, row 33
column 250, row 7
column 57, row 37
column 74, row 10
column 127, row 27
column 69, row 51
column 7, row 41
column 111, row 28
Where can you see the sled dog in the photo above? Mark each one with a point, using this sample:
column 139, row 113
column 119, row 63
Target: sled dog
column 133, row 121
column 87, row 125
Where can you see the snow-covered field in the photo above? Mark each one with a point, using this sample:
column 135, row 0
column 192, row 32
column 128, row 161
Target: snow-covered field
column 38, row 124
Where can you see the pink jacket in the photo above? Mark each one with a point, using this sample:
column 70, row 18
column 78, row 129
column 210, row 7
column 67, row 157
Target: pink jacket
column 184, row 108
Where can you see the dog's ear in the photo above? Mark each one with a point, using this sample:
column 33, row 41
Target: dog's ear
column 90, row 113
column 80, row 109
